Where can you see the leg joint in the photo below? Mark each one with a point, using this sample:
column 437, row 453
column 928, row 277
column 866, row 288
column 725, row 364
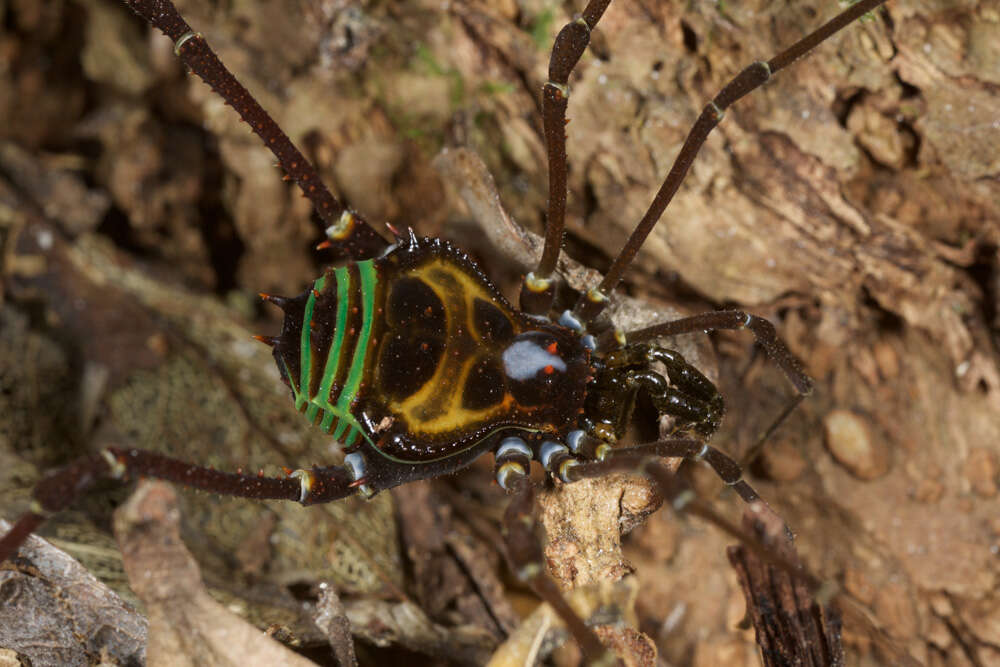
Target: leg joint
column 116, row 467
column 508, row 472
column 561, row 89
column 306, row 481
column 184, row 39
column 356, row 462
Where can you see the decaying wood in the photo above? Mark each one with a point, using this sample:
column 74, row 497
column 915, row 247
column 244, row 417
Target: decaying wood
column 792, row 628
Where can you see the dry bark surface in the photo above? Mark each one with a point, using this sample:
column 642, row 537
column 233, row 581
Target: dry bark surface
column 854, row 201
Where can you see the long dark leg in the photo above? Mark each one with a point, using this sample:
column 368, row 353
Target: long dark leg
column 693, row 450
column 538, row 289
column 731, row 320
column 59, row 490
column 345, row 231
column 594, row 300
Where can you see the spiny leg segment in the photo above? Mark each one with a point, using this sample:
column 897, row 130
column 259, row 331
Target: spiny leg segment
column 60, row 489
column 344, row 229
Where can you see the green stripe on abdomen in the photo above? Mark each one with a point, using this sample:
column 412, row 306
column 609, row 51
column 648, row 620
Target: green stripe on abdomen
column 366, row 271
column 357, row 339
column 341, row 294
column 302, row 396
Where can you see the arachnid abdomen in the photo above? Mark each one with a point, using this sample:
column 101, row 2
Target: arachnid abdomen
column 418, row 355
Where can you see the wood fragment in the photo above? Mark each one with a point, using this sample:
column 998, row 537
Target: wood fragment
column 792, row 628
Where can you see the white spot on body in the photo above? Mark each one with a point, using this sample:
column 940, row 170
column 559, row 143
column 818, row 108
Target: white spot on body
column 524, row 359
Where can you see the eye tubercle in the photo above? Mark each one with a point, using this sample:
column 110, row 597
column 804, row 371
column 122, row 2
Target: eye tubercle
column 525, row 359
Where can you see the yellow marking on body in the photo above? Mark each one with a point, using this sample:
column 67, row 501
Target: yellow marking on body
column 443, row 393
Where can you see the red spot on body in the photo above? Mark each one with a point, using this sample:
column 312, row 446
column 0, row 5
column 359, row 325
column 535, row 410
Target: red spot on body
column 553, row 348
column 549, row 370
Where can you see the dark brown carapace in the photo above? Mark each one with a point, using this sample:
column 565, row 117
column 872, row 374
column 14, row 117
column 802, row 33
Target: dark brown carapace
column 414, row 360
